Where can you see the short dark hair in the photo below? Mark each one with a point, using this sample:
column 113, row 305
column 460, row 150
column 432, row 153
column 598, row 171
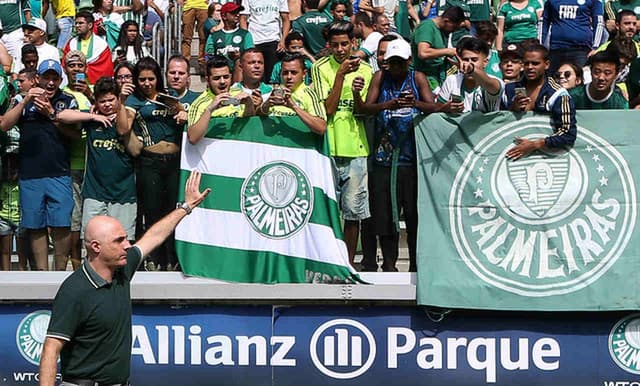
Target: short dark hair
column 364, row 18
column 340, row 27
column 624, row 47
column 217, row 61
column 605, row 56
column 293, row 35
column 537, row 47
column 86, row 15
column 485, row 27
column 293, row 58
column 623, row 13
column 29, row 72
column 473, row 45
column 251, row 51
column 179, row 58
column 105, row 85
column 312, row 4
column 454, row 14
column 29, row 49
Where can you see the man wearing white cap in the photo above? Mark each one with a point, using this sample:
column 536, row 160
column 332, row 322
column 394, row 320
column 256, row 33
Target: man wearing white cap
column 35, row 32
column 396, row 95
column 471, row 89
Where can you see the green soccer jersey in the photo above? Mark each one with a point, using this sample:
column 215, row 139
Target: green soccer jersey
column 109, row 175
column 428, row 32
column 519, row 24
column 346, row 134
column 480, row 10
column 153, row 122
column 223, row 42
column 493, row 66
column 584, row 101
column 612, row 7
column 12, row 14
column 310, row 25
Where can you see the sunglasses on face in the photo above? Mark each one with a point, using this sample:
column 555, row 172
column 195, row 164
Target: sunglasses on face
column 563, row 74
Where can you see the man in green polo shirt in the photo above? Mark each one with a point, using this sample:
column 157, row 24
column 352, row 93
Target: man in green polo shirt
column 310, row 25
column 90, row 326
column 341, row 79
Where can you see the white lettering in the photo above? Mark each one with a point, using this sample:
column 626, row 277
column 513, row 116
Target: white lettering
column 393, row 349
column 546, row 348
column 279, row 357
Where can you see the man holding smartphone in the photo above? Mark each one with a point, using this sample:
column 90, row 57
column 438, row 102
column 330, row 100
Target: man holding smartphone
column 471, row 89
column 396, row 96
column 46, row 199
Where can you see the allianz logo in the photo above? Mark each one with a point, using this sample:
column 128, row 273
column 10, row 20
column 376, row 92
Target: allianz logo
column 345, row 349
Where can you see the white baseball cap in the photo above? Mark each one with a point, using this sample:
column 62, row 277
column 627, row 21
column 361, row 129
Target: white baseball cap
column 398, row 47
column 36, row 23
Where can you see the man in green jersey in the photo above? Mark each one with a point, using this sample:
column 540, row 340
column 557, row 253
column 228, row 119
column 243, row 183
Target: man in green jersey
column 90, row 326
column 295, row 46
column 601, row 93
column 613, row 7
column 13, row 14
column 310, row 25
column 341, row 79
column 428, row 46
column 217, row 100
column 231, row 40
column 294, row 98
column 252, row 67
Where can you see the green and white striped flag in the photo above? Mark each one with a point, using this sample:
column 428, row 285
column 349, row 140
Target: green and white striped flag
column 272, row 216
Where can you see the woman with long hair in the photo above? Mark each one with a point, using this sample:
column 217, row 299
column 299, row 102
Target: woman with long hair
column 159, row 128
column 107, row 22
column 130, row 46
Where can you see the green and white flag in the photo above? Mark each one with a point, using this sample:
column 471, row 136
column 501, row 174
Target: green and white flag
column 552, row 231
column 272, row 216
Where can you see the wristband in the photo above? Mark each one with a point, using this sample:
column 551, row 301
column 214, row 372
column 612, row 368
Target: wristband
column 185, row 206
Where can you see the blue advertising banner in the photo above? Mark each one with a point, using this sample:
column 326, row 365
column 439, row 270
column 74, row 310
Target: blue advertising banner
column 307, row 345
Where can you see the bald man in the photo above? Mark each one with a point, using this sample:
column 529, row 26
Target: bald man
column 90, row 325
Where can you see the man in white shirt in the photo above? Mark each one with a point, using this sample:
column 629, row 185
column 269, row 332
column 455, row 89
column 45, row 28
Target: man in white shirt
column 363, row 29
column 471, row 89
column 35, row 32
column 268, row 22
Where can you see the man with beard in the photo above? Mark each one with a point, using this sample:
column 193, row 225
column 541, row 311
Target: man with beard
column 94, row 47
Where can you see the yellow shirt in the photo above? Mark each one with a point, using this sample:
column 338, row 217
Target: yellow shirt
column 308, row 100
column 64, row 8
column 194, row 4
column 347, row 137
column 204, row 100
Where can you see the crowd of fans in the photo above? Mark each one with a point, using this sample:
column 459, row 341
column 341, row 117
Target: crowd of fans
column 93, row 124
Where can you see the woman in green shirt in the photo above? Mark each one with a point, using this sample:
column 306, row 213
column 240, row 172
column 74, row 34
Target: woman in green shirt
column 517, row 21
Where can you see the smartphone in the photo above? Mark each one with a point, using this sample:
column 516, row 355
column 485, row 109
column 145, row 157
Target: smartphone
column 521, row 91
column 455, row 98
column 406, row 94
column 173, row 103
column 119, row 52
column 81, row 78
column 353, row 57
column 278, row 92
column 230, row 102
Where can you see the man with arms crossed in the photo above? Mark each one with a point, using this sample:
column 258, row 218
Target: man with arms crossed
column 90, row 326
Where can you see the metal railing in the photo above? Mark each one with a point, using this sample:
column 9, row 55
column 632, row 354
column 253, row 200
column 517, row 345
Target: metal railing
column 166, row 39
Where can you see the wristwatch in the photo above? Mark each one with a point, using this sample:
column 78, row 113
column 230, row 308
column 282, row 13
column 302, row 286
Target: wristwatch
column 52, row 115
column 185, row 206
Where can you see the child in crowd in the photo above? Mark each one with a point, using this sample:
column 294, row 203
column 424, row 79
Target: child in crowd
column 294, row 42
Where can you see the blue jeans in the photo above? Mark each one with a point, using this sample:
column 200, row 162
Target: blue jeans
column 65, row 26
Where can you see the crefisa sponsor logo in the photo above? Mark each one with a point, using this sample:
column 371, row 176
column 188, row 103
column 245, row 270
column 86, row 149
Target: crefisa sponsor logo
column 547, row 224
column 30, row 335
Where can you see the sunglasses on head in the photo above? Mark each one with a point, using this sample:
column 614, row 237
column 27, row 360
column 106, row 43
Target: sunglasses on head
column 563, row 74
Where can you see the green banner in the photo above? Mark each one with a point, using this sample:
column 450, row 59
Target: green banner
column 553, row 231
column 272, row 216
